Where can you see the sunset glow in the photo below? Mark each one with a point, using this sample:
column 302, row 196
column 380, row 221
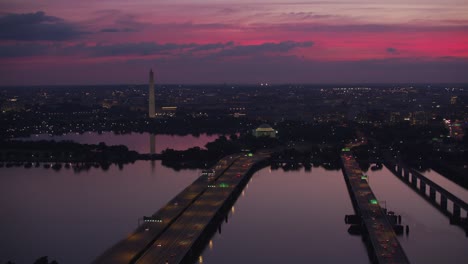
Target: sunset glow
column 207, row 41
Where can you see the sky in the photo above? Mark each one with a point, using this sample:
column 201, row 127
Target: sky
column 55, row 42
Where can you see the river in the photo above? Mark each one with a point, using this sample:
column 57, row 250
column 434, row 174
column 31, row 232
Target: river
column 281, row 217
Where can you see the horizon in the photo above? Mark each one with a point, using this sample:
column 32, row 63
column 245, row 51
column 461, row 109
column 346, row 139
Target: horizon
column 351, row 85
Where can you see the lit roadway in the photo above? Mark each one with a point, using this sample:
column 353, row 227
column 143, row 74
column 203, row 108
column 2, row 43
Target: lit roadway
column 382, row 238
column 179, row 224
column 176, row 242
column 129, row 248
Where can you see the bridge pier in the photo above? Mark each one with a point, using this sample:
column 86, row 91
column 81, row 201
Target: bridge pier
column 456, row 212
column 406, row 175
column 414, row 180
column 432, row 194
column 443, row 202
column 422, row 187
column 411, row 177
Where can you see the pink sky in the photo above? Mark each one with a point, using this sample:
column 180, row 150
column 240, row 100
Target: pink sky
column 217, row 41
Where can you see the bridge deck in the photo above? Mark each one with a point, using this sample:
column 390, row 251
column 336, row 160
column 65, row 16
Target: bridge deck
column 130, row 248
column 382, row 238
column 391, row 166
column 177, row 241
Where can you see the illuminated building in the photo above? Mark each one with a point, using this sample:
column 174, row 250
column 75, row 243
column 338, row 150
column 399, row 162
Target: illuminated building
column 418, row 118
column 453, row 100
column 264, row 130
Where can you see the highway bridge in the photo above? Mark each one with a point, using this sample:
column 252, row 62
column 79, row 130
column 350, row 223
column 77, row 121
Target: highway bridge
column 432, row 192
column 379, row 235
column 176, row 231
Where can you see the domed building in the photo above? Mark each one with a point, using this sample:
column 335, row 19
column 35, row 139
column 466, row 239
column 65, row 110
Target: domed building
column 264, row 130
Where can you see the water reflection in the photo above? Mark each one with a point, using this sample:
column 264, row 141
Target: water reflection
column 152, row 144
column 447, row 184
column 431, row 239
column 54, row 213
column 134, row 141
column 152, row 147
column 289, row 217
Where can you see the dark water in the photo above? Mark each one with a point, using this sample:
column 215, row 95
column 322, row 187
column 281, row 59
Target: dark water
column 297, row 217
column 431, row 239
column 140, row 142
column 289, row 217
column 74, row 217
column 447, row 184
column 282, row 217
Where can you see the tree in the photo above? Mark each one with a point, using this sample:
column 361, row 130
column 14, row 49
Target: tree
column 42, row 260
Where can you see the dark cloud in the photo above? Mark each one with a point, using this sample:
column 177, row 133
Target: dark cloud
column 149, row 48
column 143, row 48
column 115, row 30
column 214, row 46
column 244, row 50
column 307, row 15
column 23, row 50
column 371, row 28
column 228, row 10
column 36, row 26
column 111, row 30
column 219, row 49
column 392, row 50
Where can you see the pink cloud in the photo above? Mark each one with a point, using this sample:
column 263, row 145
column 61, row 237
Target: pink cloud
column 89, row 32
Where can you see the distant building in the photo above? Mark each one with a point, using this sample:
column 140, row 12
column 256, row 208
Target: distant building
column 418, row 118
column 264, row 130
column 169, row 108
column 109, row 103
column 395, row 117
column 455, row 127
column 151, row 106
column 13, row 105
column 237, row 111
column 167, row 111
column 453, row 100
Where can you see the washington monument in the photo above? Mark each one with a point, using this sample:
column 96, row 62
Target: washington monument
column 151, row 107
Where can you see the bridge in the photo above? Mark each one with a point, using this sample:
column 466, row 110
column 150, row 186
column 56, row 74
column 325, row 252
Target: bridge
column 430, row 190
column 175, row 232
column 379, row 235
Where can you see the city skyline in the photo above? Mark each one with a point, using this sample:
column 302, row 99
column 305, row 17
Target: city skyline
column 88, row 42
